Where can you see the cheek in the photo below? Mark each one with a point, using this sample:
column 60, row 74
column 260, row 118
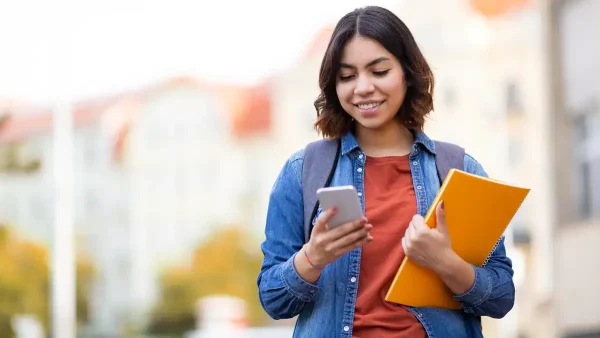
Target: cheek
column 393, row 87
column 344, row 93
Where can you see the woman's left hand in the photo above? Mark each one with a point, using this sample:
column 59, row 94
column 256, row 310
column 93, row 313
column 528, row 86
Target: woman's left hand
column 425, row 246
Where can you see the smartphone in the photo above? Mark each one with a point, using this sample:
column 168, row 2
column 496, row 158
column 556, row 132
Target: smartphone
column 345, row 198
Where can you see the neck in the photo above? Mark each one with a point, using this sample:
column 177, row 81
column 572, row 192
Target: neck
column 394, row 139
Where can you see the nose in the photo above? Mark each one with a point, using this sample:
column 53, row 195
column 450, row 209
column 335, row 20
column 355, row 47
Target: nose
column 363, row 86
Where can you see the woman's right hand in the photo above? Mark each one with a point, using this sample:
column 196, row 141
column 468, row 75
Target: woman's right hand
column 325, row 245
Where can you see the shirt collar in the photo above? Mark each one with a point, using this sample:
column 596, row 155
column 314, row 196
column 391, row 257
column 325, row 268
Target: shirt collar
column 349, row 142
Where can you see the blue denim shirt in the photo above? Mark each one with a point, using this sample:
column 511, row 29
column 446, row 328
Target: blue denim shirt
column 326, row 308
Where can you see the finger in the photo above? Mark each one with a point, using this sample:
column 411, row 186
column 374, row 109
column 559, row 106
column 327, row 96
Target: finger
column 405, row 245
column 350, row 238
column 354, row 245
column 441, row 218
column 323, row 219
column 412, row 234
column 418, row 223
column 345, row 229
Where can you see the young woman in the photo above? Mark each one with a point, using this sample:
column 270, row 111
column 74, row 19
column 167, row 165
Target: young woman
column 376, row 92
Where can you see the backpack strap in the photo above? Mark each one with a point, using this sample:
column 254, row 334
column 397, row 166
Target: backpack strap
column 448, row 156
column 318, row 167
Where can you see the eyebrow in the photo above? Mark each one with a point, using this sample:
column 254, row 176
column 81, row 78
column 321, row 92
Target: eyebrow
column 372, row 63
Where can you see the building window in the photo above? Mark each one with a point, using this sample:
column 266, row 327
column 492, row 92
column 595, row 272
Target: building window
column 520, row 224
column 514, row 102
column 587, row 163
column 579, row 52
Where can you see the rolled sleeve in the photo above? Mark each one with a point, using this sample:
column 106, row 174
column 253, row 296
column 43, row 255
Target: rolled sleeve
column 294, row 284
column 479, row 292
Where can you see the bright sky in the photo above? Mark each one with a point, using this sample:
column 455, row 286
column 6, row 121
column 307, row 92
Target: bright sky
column 102, row 47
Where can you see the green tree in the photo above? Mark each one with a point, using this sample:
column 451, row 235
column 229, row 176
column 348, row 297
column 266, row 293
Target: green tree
column 174, row 313
column 11, row 159
column 25, row 281
column 227, row 263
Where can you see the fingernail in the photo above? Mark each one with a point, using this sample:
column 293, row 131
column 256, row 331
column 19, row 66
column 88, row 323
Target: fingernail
column 369, row 226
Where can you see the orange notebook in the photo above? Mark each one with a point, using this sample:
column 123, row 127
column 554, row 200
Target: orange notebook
column 478, row 211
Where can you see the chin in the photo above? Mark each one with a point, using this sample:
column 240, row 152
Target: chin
column 371, row 124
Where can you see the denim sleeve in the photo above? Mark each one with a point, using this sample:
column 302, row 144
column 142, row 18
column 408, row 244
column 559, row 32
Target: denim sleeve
column 282, row 292
column 493, row 292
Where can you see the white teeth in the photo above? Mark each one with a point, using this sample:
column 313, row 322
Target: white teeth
column 369, row 105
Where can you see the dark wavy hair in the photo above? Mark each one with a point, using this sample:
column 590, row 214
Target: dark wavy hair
column 386, row 28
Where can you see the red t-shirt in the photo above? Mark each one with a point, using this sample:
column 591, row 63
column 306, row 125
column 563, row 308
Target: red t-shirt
column 390, row 205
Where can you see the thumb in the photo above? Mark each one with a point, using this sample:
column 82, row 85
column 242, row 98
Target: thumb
column 441, row 218
column 323, row 219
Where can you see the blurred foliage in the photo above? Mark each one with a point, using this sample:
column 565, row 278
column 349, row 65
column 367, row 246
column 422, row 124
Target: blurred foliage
column 11, row 160
column 25, row 283
column 226, row 264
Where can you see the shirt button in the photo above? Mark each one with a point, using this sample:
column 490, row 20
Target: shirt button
column 312, row 291
column 346, row 328
column 359, row 170
column 360, row 156
column 416, row 163
column 360, row 194
column 419, row 187
column 353, row 279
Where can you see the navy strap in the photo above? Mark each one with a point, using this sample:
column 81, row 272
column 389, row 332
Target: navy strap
column 318, row 166
column 448, row 156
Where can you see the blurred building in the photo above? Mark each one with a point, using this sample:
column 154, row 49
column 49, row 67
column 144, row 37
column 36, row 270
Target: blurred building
column 294, row 92
column 157, row 170
column 574, row 102
column 226, row 316
column 27, row 196
column 193, row 163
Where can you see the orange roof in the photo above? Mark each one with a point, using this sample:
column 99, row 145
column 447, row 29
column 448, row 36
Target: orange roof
column 249, row 109
column 31, row 121
column 10, row 106
column 19, row 127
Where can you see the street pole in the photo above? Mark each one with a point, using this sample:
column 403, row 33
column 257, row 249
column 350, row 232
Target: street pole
column 63, row 253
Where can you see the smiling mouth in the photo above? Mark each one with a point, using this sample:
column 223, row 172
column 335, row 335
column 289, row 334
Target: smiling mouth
column 369, row 106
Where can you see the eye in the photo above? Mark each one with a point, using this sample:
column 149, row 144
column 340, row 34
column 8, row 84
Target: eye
column 381, row 72
column 346, row 77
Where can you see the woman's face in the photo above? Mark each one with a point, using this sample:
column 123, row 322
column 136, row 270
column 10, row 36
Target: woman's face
column 370, row 84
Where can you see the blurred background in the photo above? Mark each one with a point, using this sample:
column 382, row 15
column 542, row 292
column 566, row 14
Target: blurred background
column 139, row 141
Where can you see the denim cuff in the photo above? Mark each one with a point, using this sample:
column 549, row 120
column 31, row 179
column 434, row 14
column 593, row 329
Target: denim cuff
column 294, row 284
column 479, row 292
